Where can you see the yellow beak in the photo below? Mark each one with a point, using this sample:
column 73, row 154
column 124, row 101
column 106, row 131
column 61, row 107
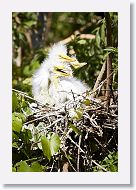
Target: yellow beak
column 62, row 71
column 67, row 58
column 77, row 65
column 72, row 61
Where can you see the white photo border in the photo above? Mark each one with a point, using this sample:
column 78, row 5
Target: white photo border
column 123, row 174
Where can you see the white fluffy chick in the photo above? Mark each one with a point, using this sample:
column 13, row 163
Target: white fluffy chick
column 54, row 83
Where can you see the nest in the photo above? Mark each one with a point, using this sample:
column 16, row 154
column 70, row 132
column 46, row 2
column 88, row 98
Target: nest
column 87, row 128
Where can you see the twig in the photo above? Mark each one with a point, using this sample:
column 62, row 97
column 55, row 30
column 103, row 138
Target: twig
column 33, row 159
column 25, row 95
column 29, row 97
column 77, row 32
column 76, row 144
column 81, row 36
column 52, row 165
column 54, row 123
column 99, row 165
column 99, row 79
column 78, row 153
column 101, row 84
column 73, row 141
column 37, row 119
column 99, row 142
column 69, row 160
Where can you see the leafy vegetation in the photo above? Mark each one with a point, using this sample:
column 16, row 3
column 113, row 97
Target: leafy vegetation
column 37, row 150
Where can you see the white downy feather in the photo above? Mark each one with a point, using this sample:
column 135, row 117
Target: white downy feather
column 43, row 87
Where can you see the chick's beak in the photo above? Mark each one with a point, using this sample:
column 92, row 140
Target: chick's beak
column 65, row 58
column 62, row 71
column 77, row 65
column 72, row 61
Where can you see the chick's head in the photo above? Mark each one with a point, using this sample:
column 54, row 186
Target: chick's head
column 59, row 63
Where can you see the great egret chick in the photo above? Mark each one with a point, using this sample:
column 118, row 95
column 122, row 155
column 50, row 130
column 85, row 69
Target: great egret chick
column 53, row 82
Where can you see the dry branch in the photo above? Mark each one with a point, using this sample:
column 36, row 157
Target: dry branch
column 109, row 58
column 78, row 154
column 81, row 36
column 99, row 79
column 78, row 32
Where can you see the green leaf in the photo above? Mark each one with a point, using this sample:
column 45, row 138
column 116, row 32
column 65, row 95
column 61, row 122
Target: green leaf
column 87, row 102
column 36, row 167
column 23, row 167
column 15, row 137
column 98, row 40
column 111, row 49
column 75, row 129
column 29, row 70
column 54, row 143
column 50, row 146
column 79, row 113
column 16, row 123
column 106, row 54
column 30, row 23
column 82, row 42
column 14, row 101
column 46, row 147
column 27, row 81
column 13, row 169
column 14, row 145
column 26, row 70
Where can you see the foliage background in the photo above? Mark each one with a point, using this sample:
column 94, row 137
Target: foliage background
column 33, row 35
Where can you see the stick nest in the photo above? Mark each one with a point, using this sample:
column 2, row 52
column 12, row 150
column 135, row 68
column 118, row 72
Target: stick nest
column 87, row 129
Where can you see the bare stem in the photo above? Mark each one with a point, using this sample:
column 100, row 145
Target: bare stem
column 78, row 154
column 109, row 58
column 99, row 79
column 99, row 165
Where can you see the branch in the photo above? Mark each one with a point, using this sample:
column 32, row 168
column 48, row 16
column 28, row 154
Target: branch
column 99, row 165
column 81, row 36
column 99, row 79
column 78, row 153
column 109, row 58
column 23, row 94
column 78, row 32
